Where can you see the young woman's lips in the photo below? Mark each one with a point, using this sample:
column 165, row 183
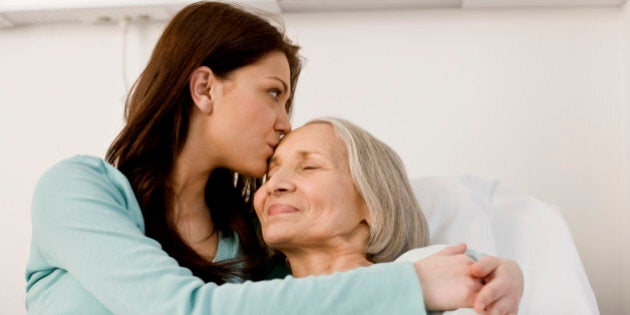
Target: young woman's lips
column 278, row 208
column 272, row 147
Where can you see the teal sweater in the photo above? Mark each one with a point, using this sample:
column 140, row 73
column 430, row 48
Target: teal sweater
column 89, row 255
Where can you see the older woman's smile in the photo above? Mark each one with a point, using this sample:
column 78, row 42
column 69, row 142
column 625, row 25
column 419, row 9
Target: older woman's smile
column 278, row 208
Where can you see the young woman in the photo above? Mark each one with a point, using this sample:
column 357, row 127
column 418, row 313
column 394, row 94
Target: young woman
column 336, row 199
column 165, row 223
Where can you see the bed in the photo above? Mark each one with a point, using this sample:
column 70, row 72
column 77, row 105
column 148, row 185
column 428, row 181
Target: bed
column 494, row 219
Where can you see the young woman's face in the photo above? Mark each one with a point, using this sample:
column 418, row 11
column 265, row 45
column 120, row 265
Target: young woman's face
column 309, row 198
column 249, row 114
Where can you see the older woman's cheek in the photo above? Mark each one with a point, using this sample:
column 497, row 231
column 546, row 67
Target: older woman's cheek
column 259, row 200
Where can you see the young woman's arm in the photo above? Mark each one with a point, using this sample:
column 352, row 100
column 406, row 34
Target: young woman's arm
column 89, row 254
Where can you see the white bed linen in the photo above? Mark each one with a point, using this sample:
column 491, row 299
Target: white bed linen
column 495, row 220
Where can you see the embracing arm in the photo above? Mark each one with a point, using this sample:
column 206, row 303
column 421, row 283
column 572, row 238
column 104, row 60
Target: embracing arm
column 87, row 227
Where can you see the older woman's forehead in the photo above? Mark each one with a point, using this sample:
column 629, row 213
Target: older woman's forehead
column 313, row 140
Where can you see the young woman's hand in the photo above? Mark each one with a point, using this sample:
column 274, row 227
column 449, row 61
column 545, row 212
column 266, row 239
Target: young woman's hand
column 503, row 287
column 446, row 280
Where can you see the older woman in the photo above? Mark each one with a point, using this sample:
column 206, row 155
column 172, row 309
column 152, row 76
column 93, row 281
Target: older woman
column 336, row 198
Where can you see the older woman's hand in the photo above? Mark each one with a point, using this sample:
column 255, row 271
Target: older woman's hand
column 446, row 280
column 503, row 287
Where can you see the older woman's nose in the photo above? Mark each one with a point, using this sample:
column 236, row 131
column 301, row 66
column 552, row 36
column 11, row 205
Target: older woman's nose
column 279, row 184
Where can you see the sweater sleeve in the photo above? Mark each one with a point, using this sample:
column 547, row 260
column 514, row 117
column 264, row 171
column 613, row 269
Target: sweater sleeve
column 86, row 222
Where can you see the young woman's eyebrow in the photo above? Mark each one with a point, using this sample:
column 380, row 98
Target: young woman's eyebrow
column 284, row 84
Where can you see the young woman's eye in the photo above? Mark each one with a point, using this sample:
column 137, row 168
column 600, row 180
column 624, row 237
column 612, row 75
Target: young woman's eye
column 275, row 94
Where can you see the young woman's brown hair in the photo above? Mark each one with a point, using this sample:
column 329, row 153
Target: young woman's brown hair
column 223, row 38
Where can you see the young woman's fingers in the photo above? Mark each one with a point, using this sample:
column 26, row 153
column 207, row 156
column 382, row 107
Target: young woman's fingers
column 506, row 305
column 484, row 266
column 446, row 282
column 454, row 250
column 489, row 294
column 504, row 285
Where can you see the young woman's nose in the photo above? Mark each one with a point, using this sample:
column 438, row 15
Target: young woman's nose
column 283, row 123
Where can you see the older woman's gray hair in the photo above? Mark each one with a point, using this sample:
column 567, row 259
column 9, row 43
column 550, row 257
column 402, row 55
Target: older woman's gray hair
column 397, row 223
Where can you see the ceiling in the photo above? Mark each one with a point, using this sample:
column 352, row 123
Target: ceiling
column 322, row 5
column 28, row 12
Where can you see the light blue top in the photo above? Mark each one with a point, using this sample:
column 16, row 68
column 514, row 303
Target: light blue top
column 89, row 255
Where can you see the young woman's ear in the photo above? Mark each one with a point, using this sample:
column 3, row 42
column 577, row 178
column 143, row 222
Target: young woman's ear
column 201, row 82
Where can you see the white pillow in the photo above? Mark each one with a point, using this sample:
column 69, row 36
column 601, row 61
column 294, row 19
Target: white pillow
column 495, row 220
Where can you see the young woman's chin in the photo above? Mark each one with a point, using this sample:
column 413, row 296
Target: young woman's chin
column 254, row 170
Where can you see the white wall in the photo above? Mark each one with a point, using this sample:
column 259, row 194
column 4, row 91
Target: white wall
column 626, row 87
column 536, row 98
column 531, row 97
column 61, row 94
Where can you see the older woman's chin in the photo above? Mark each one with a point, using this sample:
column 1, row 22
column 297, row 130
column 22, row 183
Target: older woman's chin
column 274, row 240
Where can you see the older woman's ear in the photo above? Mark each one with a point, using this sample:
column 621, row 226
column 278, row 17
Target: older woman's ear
column 202, row 81
column 367, row 214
